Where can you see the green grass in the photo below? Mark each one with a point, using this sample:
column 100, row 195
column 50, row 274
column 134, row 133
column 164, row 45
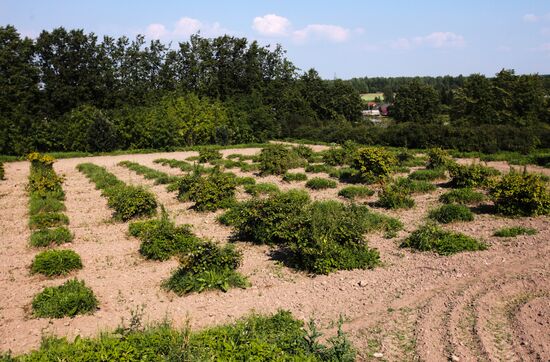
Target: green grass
column 319, row 167
column 318, row 183
column 56, row 262
column 414, row 186
column 149, row 173
column 294, row 176
column 182, row 165
column 514, row 231
column 67, row 300
column 428, row 174
column 395, row 197
column 47, row 220
column 353, row 192
column 466, row 196
column 450, row 213
column 369, row 97
column 39, row 204
column 246, row 180
column 433, row 238
column 47, row 237
column 262, row 188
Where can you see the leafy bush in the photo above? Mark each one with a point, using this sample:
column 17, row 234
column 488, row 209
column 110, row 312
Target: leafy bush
column 209, row 154
column 318, row 183
column 47, row 237
column 428, row 174
column 277, row 159
column 394, row 197
column 373, row 163
column 209, row 193
column 450, row 213
column 514, row 231
column 262, row 188
column 131, row 201
column 45, row 204
column 439, row 159
column 67, row 300
column 56, row 262
column 474, row 175
column 46, row 220
column 465, row 196
column 340, row 156
column 521, row 195
column 298, row 176
column 149, row 173
column 43, row 180
column 432, row 238
column 303, row 151
column 182, row 165
column 352, row 192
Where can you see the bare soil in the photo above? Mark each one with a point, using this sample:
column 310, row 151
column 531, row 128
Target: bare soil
column 489, row 305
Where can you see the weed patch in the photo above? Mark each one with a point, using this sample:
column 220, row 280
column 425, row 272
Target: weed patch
column 466, row 196
column 450, row 213
column 433, row 238
column 318, row 183
column 514, row 231
column 67, row 300
column 47, row 237
column 353, row 192
column 56, row 262
column 298, row 176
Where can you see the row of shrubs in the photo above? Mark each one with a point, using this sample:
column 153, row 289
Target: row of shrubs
column 127, row 201
column 151, row 174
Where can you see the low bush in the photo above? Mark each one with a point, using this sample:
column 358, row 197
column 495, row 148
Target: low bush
column 67, row 300
column 130, row 202
column 43, row 180
column 209, row 193
column 149, row 173
column 414, row 186
column 318, row 183
column 353, row 192
column 47, row 220
column 407, row 158
column 303, row 151
column 47, row 237
column 262, row 188
column 474, row 175
column 348, row 175
column 340, row 156
column 45, row 204
column 428, row 174
column 182, row 165
column 394, row 197
column 439, row 159
column 433, row 238
column 277, row 159
column 514, row 231
column 298, row 176
column 250, row 167
column 56, row 262
column 521, row 194
column 373, row 163
column 318, row 168
column 450, row 213
column 466, row 196
column 209, row 154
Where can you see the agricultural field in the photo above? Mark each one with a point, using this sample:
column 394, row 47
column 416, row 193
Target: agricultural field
column 369, row 97
column 427, row 260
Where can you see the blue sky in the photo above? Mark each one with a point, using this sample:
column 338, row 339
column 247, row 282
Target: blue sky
column 338, row 38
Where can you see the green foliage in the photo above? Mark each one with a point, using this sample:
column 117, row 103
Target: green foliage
column 303, row 151
column 317, row 168
column 438, row 159
column 47, row 220
column 262, row 188
column 182, row 165
column 514, row 231
column 428, row 174
column 43, row 181
column 432, row 238
column 67, row 300
column 208, row 154
column 102, row 179
column 416, row 101
column 474, row 175
column 1, row 171
column 318, row 183
column 45, row 204
column 521, row 194
column 247, row 180
column 47, row 237
column 297, row 176
column 131, row 201
column 335, row 157
column 393, row 196
column 414, row 186
column 56, row 262
column 149, row 173
column 408, row 159
column 277, row 159
column 373, row 163
column 353, row 192
column 208, row 193
column 450, row 213
column 465, row 196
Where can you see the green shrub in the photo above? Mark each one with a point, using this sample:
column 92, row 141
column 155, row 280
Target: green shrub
column 277, row 159
column 450, row 213
column 47, row 220
column 249, row 167
column 373, row 163
column 474, row 175
column 394, row 197
column 353, row 192
column 209, row 193
column 303, row 151
column 439, row 159
column 466, row 196
column 245, row 180
column 43, row 180
column 335, row 157
column 414, row 186
column 67, row 300
column 56, row 262
column 318, row 183
column 408, row 159
column 521, row 195
column 149, row 173
column 318, row 168
column 298, row 176
column 47, row 237
column 349, row 175
column 45, row 204
column 131, row 201
column 433, row 238
column 209, row 154
column 182, row 165
column 428, row 174
column 262, row 188
column 514, row 231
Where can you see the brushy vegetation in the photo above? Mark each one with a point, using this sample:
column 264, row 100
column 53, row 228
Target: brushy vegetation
column 209, row 154
column 521, row 194
column 67, row 300
column 466, row 196
column 127, row 201
column 56, row 262
column 514, row 231
column 353, row 192
column 392, row 196
column 149, row 173
column 339, row 156
column 47, row 220
column 47, row 237
column 449, row 213
column 319, row 183
column 182, row 165
column 209, row 193
column 278, row 159
column 45, row 204
column 304, row 152
column 414, row 186
column 431, row 237
column 318, row 168
column 439, row 159
column 296, row 176
column 373, row 163
column 262, row 188
column 474, row 175
column 277, row 337
column 407, row 158
column 428, row 174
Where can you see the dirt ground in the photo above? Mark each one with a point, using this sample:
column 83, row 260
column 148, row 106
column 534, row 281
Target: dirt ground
column 489, row 305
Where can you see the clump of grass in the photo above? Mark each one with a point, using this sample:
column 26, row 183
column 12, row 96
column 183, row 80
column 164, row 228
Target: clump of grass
column 428, row 174
column 394, row 197
column 67, row 300
column 514, row 231
column 318, row 183
column 414, row 186
column 149, row 173
column 294, row 176
column 317, row 168
column 466, row 196
column 353, row 192
column 56, row 262
column 47, row 237
column 47, row 220
column 262, row 188
column 39, row 204
column 431, row 237
column 450, row 213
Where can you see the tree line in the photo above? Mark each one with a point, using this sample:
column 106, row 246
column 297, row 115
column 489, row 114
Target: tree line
column 68, row 90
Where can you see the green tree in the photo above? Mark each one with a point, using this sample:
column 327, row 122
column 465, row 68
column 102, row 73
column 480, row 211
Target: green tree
column 416, row 102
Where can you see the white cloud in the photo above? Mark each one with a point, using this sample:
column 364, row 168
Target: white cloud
column 438, row 40
column 271, row 25
column 187, row 26
column 183, row 28
column 156, row 31
column 333, row 33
